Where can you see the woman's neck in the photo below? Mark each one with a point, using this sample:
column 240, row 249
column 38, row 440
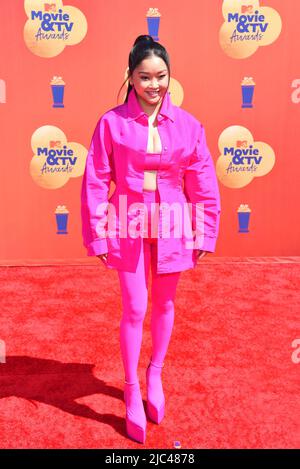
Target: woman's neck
column 150, row 110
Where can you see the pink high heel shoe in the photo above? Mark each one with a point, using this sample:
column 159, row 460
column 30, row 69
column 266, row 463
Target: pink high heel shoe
column 135, row 414
column 155, row 394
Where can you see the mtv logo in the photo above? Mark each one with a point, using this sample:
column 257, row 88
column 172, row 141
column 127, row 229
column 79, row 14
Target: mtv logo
column 49, row 6
column 55, row 143
column 247, row 8
column 241, row 144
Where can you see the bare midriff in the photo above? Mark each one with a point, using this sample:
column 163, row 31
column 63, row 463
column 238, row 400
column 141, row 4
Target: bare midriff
column 154, row 146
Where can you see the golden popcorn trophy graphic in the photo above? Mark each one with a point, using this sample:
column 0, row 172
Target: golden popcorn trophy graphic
column 248, row 86
column 61, row 215
column 243, row 217
column 57, row 88
column 153, row 20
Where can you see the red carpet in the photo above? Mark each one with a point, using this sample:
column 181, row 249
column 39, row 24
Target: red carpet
column 229, row 378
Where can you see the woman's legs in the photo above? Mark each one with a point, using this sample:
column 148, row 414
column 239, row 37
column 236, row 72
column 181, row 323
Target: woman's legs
column 162, row 315
column 134, row 290
column 163, row 295
column 162, row 320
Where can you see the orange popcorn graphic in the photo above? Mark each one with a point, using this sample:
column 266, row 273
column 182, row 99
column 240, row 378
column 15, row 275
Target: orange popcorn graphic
column 152, row 12
column 247, row 81
column 244, row 208
column 61, row 209
column 57, row 81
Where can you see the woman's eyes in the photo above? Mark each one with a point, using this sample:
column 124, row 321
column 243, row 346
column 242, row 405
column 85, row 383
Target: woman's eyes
column 146, row 78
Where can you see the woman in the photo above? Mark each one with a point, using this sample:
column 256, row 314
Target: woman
column 156, row 154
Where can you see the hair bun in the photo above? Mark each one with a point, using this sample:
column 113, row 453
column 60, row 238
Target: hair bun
column 146, row 38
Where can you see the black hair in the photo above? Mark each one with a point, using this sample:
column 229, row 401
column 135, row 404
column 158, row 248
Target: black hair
column 144, row 46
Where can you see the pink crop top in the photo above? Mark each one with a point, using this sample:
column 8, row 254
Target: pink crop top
column 152, row 161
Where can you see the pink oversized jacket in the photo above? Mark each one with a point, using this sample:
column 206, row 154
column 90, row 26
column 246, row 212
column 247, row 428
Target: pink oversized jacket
column 186, row 176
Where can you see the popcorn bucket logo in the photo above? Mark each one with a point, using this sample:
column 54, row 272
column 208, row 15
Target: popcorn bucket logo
column 247, row 25
column 242, row 159
column 153, row 20
column 58, row 88
column 55, row 160
column 248, row 85
column 52, row 26
column 243, row 218
column 61, row 215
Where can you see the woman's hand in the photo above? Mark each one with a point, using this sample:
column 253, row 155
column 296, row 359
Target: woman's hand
column 103, row 258
column 200, row 254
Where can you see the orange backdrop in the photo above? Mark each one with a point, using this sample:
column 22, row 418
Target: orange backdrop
column 215, row 57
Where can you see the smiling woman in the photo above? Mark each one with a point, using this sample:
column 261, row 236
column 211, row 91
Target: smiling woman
column 149, row 148
column 150, row 79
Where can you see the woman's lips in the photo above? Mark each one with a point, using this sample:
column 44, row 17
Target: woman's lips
column 152, row 94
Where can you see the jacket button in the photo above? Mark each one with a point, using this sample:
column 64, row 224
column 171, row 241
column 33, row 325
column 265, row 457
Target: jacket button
column 166, row 148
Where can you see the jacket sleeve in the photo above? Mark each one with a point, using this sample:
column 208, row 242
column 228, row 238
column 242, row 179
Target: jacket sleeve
column 95, row 188
column 201, row 187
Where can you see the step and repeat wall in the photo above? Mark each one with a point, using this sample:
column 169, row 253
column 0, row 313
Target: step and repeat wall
column 234, row 66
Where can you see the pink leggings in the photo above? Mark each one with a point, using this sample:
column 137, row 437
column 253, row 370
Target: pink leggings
column 134, row 291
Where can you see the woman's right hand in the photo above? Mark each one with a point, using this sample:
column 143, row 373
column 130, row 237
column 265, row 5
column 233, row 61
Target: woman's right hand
column 103, row 258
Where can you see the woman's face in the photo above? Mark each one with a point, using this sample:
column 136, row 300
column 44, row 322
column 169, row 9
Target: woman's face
column 150, row 80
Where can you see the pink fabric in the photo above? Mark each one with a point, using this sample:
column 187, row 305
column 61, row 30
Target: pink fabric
column 152, row 161
column 134, row 292
column 186, row 175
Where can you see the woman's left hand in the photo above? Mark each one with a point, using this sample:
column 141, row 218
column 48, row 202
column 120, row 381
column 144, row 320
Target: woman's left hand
column 201, row 253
